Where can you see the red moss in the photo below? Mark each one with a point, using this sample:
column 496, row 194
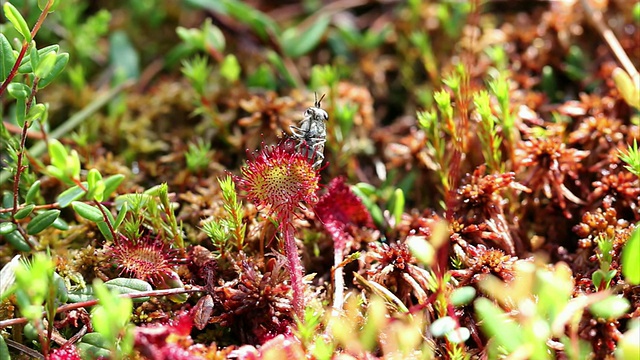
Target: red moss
column 546, row 163
column 339, row 210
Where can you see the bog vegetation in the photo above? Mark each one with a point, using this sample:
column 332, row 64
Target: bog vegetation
column 225, row 179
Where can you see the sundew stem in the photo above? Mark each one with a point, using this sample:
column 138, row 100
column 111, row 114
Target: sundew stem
column 295, row 267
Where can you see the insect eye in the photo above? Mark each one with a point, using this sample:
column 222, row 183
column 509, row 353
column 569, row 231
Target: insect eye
column 308, row 112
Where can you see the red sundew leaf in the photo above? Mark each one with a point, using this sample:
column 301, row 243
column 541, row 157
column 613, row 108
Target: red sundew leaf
column 340, row 208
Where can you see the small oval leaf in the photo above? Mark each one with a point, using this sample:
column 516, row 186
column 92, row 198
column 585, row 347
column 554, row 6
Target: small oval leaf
column 42, row 221
column 70, row 195
column 297, row 42
column 631, row 258
column 45, row 65
column 443, row 326
column 60, row 224
column 18, row 90
column 17, row 241
column 24, row 212
column 25, row 65
column 87, row 211
column 7, row 227
column 14, row 16
column 7, row 58
column 463, row 296
column 612, row 307
column 33, row 191
column 129, row 286
column 458, row 335
column 58, row 154
column 57, row 68
column 93, row 346
column 104, row 230
column 81, row 295
column 4, row 350
column 111, row 184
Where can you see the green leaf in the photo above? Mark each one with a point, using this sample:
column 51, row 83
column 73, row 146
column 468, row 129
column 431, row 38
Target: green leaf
column 103, row 226
column 297, row 42
column 7, row 227
column 123, row 56
column 25, row 65
column 93, row 346
column 123, row 212
column 443, row 326
column 24, row 212
column 72, row 169
column 42, row 221
column 4, row 350
column 259, row 22
column 628, row 346
column 62, row 294
column 374, row 209
column 81, row 295
column 87, row 211
column 610, row 308
column 597, row 278
column 58, row 154
column 111, row 184
column 230, row 68
column 498, row 325
column 57, row 68
column 421, row 249
column 459, row 335
column 14, row 16
column 96, row 185
column 631, row 258
column 21, row 110
column 70, row 195
column 397, row 201
column 52, row 8
column 112, row 314
column 60, row 224
column 19, row 90
column 17, row 241
column 45, row 65
column 7, row 58
column 630, row 92
column 34, row 57
column 278, row 63
column 365, row 188
column 129, row 286
column 262, row 78
column 109, row 214
column 104, row 230
column 463, row 296
column 93, row 177
column 213, row 37
column 37, row 112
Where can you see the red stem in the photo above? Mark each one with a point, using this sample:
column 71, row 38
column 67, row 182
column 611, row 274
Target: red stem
column 25, row 46
column 73, row 306
column 295, row 267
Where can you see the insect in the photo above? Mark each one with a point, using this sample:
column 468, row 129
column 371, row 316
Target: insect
column 312, row 132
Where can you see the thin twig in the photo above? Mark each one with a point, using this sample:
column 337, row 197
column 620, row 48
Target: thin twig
column 68, row 307
column 16, row 345
column 595, row 17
